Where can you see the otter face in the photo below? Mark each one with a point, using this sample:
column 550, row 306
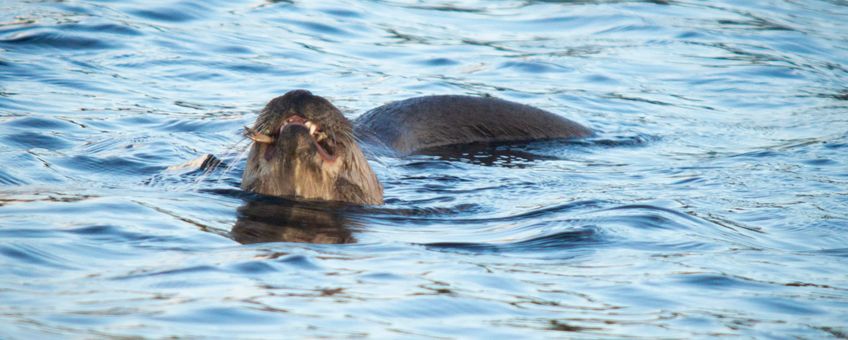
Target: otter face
column 304, row 147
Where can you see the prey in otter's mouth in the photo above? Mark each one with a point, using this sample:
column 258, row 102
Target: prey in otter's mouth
column 304, row 146
column 322, row 143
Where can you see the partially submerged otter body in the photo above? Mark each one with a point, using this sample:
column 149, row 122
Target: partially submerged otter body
column 304, row 147
column 421, row 123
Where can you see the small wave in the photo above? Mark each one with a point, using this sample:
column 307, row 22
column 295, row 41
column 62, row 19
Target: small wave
column 719, row 282
column 535, row 67
column 45, row 123
column 32, row 255
column 28, row 140
column 179, row 272
column 590, row 236
column 174, row 13
column 650, row 227
column 299, row 262
column 404, row 214
column 9, row 179
column 58, row 40
column 110, row 233
column 618, row 141
column 439, row 62
column 638, row 227
column 422, row 212
column 112, row 165
column 340, row 12
column 108, row 28
column 318, row 28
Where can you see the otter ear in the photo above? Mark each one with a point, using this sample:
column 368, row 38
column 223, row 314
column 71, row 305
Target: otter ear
column 257, row 136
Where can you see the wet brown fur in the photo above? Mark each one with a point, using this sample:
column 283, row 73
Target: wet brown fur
column 414, row 124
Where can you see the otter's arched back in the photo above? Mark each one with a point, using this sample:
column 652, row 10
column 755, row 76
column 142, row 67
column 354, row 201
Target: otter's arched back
column 433, row 121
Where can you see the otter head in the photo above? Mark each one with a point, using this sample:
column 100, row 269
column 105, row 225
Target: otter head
column 304, row 147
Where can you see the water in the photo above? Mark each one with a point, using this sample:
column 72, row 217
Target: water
column 712, row 200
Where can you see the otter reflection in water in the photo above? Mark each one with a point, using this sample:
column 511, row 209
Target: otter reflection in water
column 278, row 220
column 304, row 147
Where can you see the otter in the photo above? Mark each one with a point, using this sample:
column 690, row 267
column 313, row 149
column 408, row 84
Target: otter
column 304, row 147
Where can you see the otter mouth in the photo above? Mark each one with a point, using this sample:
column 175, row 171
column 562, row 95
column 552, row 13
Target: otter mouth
column 321, row 141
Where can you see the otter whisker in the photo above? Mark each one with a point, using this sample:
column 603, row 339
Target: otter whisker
column 230, row 159
column 233, row 155
column 239, row 156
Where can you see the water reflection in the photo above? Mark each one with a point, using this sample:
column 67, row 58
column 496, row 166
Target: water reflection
column 266, row 219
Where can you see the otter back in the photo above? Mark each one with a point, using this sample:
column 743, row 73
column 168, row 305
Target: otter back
column 420, row 123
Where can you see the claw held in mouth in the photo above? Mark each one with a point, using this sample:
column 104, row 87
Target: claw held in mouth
column 258, row 137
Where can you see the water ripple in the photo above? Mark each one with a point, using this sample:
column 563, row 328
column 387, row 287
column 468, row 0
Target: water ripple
column 709, row 202
column 59, row 40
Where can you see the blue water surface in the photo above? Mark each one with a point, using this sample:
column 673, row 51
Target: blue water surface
column 712, row 200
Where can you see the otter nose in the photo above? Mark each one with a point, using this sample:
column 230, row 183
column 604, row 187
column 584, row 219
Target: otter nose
column 296, row 119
